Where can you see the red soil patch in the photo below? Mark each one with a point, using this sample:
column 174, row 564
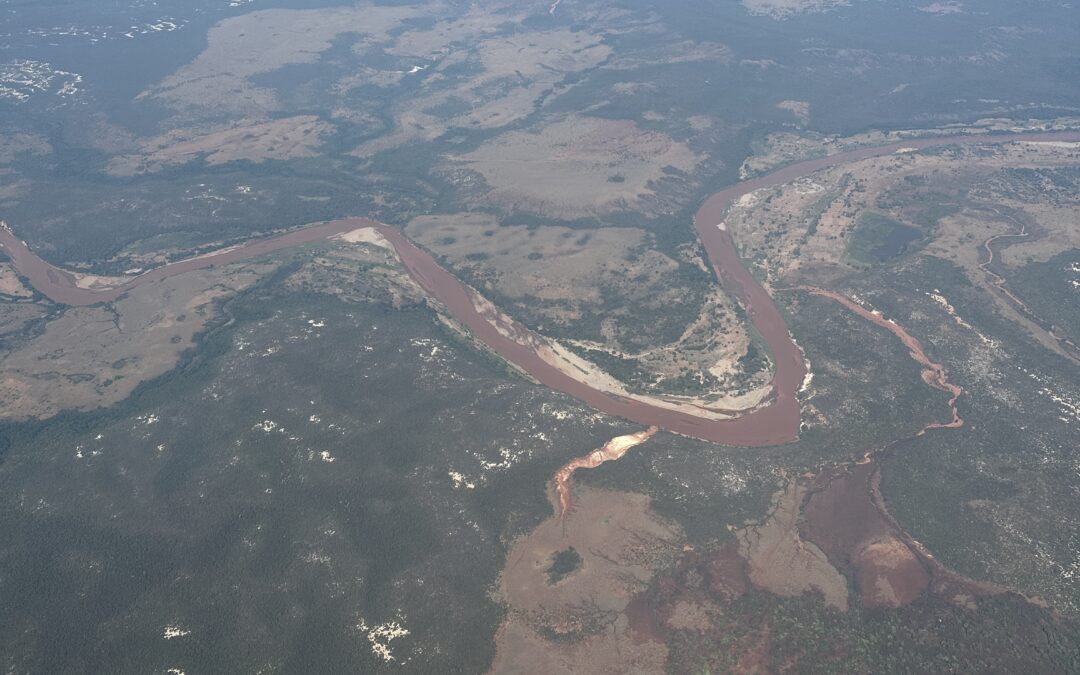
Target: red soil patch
column 842, row 519
column 697, row 579
column 643, row 621
column 727, row 572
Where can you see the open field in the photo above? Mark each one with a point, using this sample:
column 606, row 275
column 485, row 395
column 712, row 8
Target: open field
column 583, row 621
column 576, row 168
column 11, row 285
column 779, row 9
column 785, row 147
column 504, row 80
column 218, row 82
column 90, row 357
column 257, row 142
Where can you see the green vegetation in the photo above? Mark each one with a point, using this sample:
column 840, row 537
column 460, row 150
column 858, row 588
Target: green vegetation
column 1005, row 634
column 878, row 238
column 628, row 371
column 1052, row 290
column 812, row 215
column 563, row 564
column 219, row 501
column 314, row 468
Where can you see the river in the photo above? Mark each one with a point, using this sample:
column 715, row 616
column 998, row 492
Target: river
column 773, row 423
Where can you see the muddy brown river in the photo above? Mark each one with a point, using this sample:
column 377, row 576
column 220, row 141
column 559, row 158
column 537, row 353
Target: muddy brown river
column 773, row 423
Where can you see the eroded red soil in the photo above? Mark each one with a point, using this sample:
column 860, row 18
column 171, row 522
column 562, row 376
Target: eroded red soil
column 609, row 452
column 841, row 518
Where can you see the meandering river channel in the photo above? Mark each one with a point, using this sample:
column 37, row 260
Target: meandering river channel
column 774, row 422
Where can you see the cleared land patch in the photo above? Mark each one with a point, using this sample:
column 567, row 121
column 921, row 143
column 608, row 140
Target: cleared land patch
column 781, row 9
column 10, row 284
column 583, row 621
column 286, row 138
column 577, row 167
column 957, row 197
column 89, row 357
column 218, row 80
column 485, row 82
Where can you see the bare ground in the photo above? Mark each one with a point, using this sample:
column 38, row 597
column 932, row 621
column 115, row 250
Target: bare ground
column 253, row 141
column 783, row 563
column 581, row 623
column 89, row 357
column 576, row 167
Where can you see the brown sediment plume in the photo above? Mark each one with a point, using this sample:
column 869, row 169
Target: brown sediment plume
column 840, row 517
column 62, row 286
column 773, row 423
column 589, row 619
column 933, row 374
column 609, row 452
column 946, row 582
column 838, row 520
column 846, row 516
column 845, row 512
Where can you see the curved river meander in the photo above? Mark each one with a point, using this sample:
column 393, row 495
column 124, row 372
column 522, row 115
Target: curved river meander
column 775, row 422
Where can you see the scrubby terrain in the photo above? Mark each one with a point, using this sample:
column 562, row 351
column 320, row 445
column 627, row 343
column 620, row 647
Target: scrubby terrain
column 304, row 461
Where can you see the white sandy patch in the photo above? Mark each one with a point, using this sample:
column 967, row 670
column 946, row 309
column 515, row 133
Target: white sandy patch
column 266, row 426
column 808, row 187
column 782, row 9
column 1069, row 407
column 943, row 8
column 748, row 200
column 364, row 235
column 800, row 109
column 94, row 281
column 583, row 370
column 218, row 251
column 172, row 632
column 808, row 379
column 947, row 306
column 508, row 458
column 381, row 635
column 460, row 481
